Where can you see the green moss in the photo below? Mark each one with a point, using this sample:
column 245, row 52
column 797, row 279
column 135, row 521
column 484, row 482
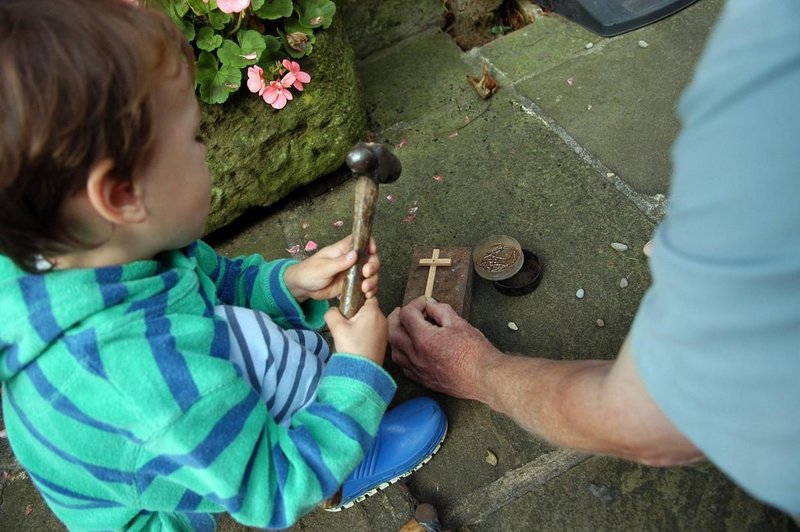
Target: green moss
column 258, row 155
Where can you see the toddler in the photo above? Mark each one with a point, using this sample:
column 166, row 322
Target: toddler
column 148, row 382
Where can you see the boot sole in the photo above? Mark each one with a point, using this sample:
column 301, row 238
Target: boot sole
column 382, row 486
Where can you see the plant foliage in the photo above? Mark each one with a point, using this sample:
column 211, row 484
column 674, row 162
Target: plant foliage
column 227, row 44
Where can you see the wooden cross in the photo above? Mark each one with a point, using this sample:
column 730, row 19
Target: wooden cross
column 453, row 283
column 432, row 263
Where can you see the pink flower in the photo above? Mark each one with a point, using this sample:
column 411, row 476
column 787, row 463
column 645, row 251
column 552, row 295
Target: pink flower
column 295, row 77
column 255, row 80
column 277, row 94
column 233, row 6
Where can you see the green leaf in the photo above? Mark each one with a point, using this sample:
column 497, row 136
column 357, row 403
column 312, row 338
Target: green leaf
column 256, row 4
column 273, row 50
column 317, row 13
column 198, row 7
column 207, row 39
column 293, row 25
column 181, row 8
column 176, row 9
column 252, row 45
column 231, row 54
column 275, row 9
column 218, row 20
column 186, row 28
column 216, row 83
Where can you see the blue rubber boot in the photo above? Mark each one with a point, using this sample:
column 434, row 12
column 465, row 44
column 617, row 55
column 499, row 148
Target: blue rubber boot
column 407, row 438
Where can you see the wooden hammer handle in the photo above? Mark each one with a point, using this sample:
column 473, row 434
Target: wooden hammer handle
column 366, row 195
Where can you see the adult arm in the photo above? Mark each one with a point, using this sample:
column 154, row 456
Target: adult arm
column 595, row 406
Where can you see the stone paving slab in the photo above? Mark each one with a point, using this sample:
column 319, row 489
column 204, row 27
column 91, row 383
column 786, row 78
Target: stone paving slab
column 616, row 99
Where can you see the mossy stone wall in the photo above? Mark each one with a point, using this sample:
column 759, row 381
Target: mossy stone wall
column 258, row 155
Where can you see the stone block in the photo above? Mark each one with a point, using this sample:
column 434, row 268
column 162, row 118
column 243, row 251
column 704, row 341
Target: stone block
column 445, row 272
column 257, row 155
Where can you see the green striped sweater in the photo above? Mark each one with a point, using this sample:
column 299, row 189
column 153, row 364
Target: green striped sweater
column 120, row 402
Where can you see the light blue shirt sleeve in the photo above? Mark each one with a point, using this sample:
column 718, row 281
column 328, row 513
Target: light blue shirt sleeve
column 717, row 337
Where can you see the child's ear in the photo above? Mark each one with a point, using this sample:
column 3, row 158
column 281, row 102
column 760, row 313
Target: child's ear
column 117, row 201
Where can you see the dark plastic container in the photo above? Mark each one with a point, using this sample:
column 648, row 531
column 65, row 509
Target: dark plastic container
column 525, row 280
column 613, row 17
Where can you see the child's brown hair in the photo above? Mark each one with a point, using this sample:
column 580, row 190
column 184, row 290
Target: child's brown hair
column 77, row 86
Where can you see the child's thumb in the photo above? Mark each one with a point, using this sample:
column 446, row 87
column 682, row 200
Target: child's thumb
column 334, row 318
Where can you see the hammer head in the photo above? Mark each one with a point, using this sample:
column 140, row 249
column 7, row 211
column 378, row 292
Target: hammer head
column 375, row 161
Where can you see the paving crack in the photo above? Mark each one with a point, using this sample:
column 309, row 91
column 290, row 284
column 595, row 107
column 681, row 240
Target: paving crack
column 479, row 504
column 653, row 207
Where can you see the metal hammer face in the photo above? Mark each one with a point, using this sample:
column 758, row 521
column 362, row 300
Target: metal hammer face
column 374, row 161
column 371, row 164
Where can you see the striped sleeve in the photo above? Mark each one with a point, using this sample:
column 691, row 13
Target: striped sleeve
column 228, row 455
column 252, row 282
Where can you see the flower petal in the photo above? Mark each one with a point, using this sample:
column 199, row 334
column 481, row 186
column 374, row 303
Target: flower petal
column 233, row 6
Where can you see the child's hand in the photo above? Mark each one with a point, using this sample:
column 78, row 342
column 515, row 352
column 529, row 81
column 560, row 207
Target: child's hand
column 321, row 275
column 365, row 334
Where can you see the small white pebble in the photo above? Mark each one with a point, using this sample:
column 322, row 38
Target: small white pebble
column 589, row 45
column 610, row 174
column 643, row 44
column 623, row 283
column 619, row 246
column 589, row 107
column 580, row 293
column 600, row 322
column 513, row 326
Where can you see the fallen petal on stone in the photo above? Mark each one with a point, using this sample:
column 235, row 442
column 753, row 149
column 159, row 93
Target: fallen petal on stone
column 338, row 224
column 491, row 458
column 643, row 44
column 438, row 178
column 311, row 245
column 619, row 246
column 580, row 293
column 391, row 198
column 410, row 215
column 513, row 326
column 294, row 249
column 403, row 142
column 304, row 225
column 452, row 135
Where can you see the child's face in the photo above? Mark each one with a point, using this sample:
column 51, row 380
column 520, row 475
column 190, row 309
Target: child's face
column 176, row 183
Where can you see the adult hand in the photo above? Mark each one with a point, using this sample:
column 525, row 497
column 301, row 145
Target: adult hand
column 321, row 276
column 439, row 349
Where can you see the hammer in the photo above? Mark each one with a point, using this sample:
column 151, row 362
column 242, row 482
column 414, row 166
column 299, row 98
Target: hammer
column 371, row 164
